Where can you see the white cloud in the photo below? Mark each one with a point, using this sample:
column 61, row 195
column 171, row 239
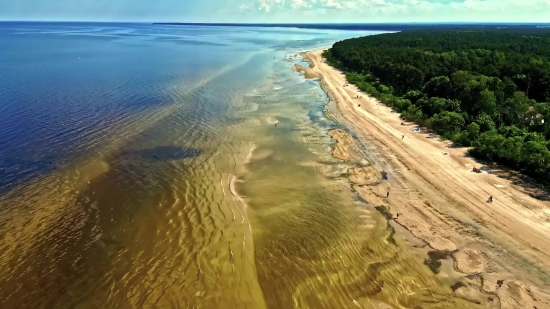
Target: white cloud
column 332, row 3
column 407, row 9
column 476, row 5
column 484, row 5
column 298, row 4
column 246, row 7
column 267, row 5
column 270, row 5
column 351, row 4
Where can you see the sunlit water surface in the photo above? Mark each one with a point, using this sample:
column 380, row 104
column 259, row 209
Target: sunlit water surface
column 123, row 148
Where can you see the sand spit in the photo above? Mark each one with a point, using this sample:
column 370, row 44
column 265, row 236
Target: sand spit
column 308, row 72
column 272, row 120
column 440, row 201
column 251, row 148
column 343, row 146
column 233, row 191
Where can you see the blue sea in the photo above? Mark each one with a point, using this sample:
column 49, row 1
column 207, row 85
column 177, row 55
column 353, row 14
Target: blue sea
column 66, row 85
column 173, row 166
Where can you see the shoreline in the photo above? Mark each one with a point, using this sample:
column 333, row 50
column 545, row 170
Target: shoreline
column 442, row 203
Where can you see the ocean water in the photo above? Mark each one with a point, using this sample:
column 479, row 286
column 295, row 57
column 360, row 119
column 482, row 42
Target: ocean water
column 140, row 167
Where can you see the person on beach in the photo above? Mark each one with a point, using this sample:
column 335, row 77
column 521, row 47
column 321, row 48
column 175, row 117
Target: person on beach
column 490, row 200
column 402, row 137
column 358, row 105
column 275, row 125
column 388, row 194
column 397, row 214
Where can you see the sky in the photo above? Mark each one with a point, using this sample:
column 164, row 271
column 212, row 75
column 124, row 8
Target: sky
column 278, row 11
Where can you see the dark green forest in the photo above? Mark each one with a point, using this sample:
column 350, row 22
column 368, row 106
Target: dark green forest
column 487, row 89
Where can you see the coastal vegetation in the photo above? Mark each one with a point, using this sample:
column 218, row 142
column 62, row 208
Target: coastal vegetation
column 488, row 89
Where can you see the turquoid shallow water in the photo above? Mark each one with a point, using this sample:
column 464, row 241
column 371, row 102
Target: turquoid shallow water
column 155, row 166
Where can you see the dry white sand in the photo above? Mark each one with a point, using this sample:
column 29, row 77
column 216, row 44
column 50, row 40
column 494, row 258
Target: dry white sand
column 441, row 201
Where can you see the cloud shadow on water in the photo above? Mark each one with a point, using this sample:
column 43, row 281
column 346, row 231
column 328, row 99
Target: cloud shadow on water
column 161, row 153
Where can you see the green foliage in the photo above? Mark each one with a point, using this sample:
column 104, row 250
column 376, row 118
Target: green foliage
column 473, row 130
column 486, row 88
column 413, row 96
column 438, row 87
column 384, row 89
column 447, row 123
column 485, row 122
column 487, row 102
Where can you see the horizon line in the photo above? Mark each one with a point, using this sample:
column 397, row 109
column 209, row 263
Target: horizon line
column 277, row 23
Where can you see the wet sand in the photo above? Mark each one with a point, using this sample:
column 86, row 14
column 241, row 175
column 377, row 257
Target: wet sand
column 441, row 202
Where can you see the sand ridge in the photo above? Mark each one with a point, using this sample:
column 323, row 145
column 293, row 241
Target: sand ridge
column 308, row 71
column 442, row 202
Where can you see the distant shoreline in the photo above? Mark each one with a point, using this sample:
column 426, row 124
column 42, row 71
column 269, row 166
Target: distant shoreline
column 370, row 26
column 402, row 26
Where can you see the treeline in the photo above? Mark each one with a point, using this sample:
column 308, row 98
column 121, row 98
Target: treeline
column 485, row 89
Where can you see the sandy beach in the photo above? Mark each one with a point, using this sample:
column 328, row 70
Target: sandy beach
column 430, row 184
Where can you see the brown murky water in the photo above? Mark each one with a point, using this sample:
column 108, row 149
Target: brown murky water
column 158, row 223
